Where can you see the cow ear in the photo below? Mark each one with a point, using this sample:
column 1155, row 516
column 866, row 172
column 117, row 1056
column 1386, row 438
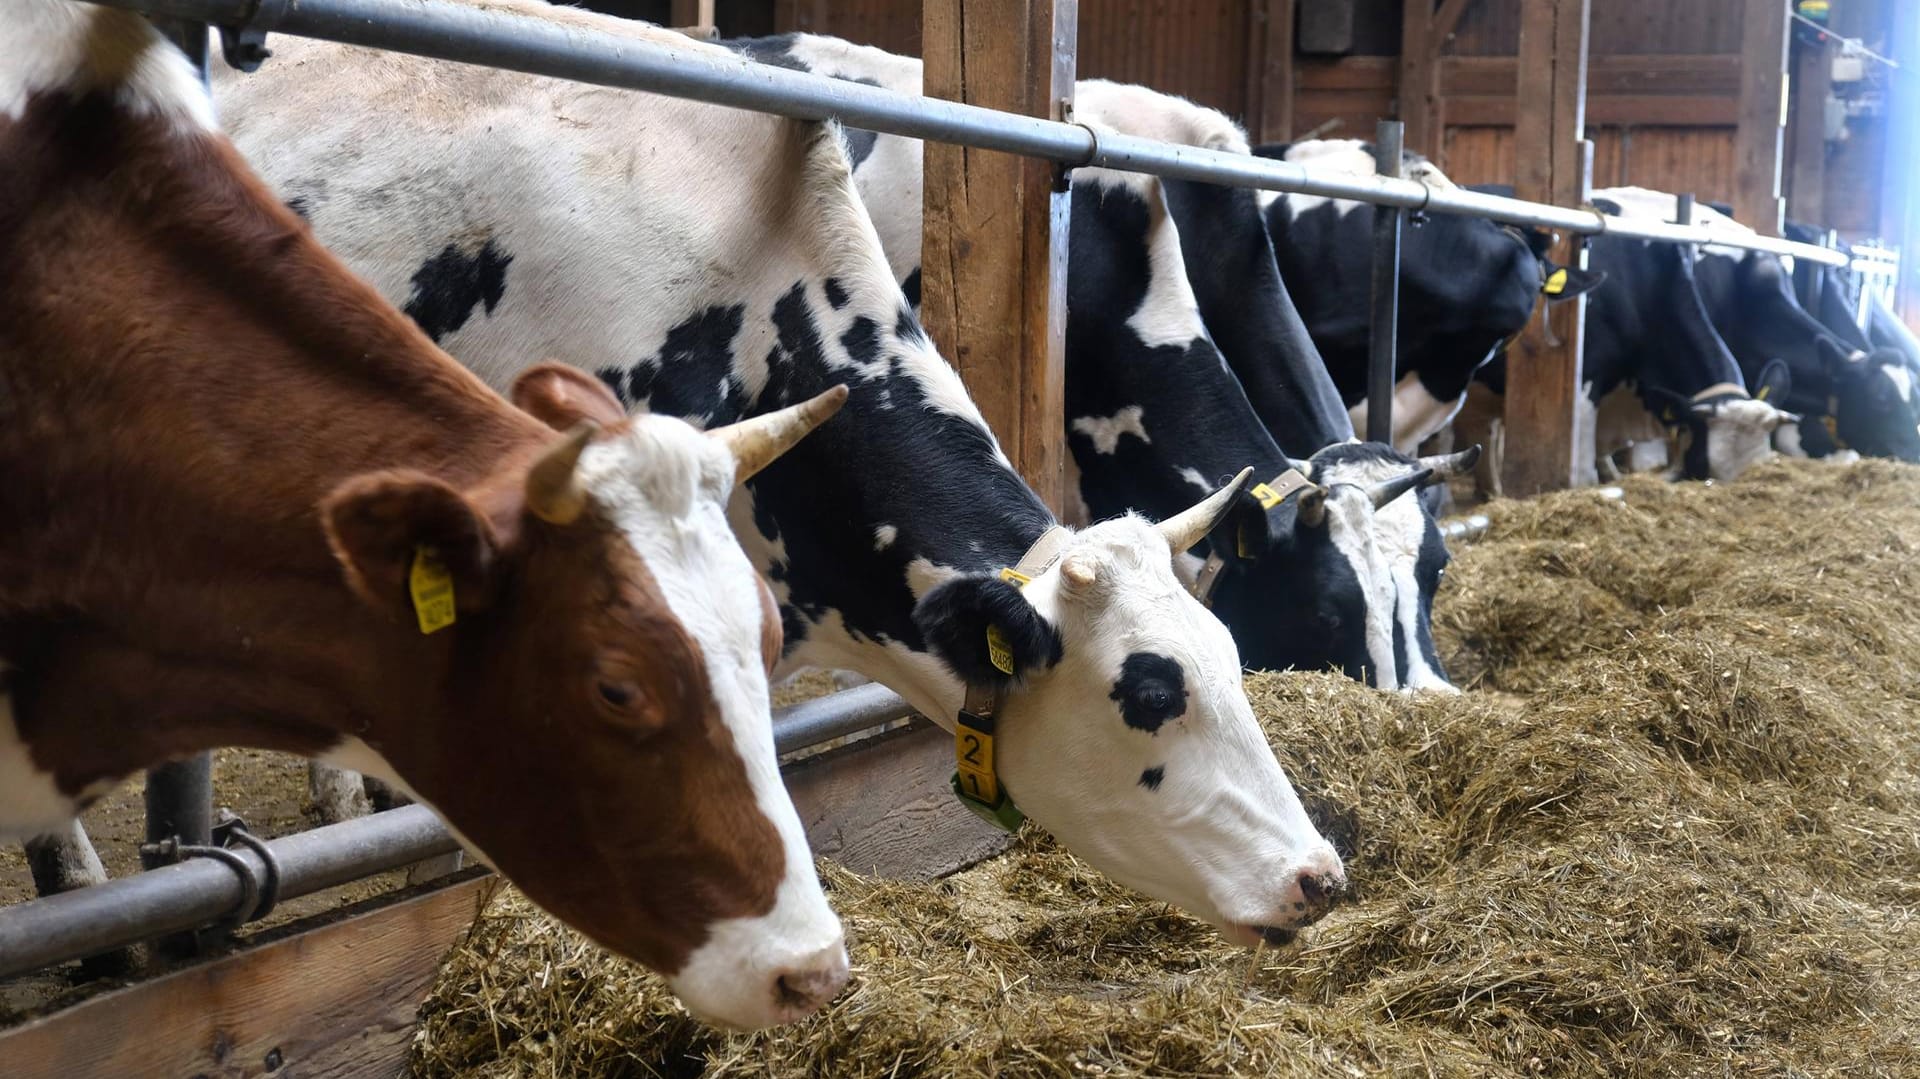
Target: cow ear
column 562, row 397
column 382, row 523
column 957, row 618
column 1246, row 532
column 1833, row 356
column 1774, row 382
column 1566, row 282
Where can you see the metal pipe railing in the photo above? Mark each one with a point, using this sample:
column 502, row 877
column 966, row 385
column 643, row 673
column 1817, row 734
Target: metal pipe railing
column 463, row 33
column 201, row 891
column 198, row 892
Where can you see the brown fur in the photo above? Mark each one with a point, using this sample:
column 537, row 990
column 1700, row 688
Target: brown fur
column 189, row 387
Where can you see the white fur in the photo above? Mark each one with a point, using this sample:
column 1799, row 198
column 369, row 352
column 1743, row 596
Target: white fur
column 1786, row 440
column 1192, row 475
column 666, row 487
column 1901, row 378
column 1347, row 157
column 1382, row 547
column 1739, row 436
column 1643, row 204
column 1350, row 526
column 1417, row 414
column 883, row 537
column 55, row 45
column 1105, row 431
column 31, row 802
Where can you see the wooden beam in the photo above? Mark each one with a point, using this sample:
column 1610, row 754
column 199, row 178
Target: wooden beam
column 1419, row 76
column 1555, row 164
column 994, row 253
column 340, row 999
column 1445, row 20
column 1763, row 82
column 1276, row 116
column 1807, row 181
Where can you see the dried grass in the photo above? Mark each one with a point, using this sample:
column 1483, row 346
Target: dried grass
column 1673, row 830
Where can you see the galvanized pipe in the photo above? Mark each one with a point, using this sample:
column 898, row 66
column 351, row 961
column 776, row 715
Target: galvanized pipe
column 201, row 891
column 446, row 30
column 1384, row 326
column 836, row 715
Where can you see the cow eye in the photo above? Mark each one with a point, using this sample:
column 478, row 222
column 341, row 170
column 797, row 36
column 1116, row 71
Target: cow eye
column 617, row 694
column 1157, row 699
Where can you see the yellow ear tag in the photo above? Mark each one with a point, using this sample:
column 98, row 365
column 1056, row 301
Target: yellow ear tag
column 1014, row 577
column 1556, row 283
column 998, row 651
column 1268, row 497
column 1764, row 391
column 432, row 589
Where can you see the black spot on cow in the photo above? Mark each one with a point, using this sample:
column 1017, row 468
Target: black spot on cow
column 1151, row 778
column 449, row 285
column 699, row 352
column 862, row 341
column 859, row 141
column 616, row 380
column 837, row 293
column 911, row 286
column 907, row 328
column 300, row 205
column 1151, row 690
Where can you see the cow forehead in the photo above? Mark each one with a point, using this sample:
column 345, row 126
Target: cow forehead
column 657, row 466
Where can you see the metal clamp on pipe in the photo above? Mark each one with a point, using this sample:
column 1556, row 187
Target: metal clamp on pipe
column 259, row 890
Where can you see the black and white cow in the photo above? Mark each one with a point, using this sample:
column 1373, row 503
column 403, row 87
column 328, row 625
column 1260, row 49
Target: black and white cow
column 713, row 263
column 1859, row 377
column 1749, row 295
column 1163, row 278
column 1466, row 286
column 1649, row 333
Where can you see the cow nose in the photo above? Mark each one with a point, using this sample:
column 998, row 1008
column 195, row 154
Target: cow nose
column 806, row 986
column 1318, row 893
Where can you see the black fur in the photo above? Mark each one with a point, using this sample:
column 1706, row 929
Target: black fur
column 953, row 619
column 448, row 286
column 1151, row 778
column 1151, row 691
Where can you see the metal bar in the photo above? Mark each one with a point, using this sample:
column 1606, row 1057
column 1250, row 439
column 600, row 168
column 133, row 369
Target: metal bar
column 445, row 30
column 199, row 891
column 1385, row 325
column 836, row 715
column 179, row 800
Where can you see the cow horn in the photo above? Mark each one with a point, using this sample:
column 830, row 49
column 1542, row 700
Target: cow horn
column 554, row 493
column 1191, row 525
column 1387, row 490
column 757, row 442
column 1447, row 465
column 1311, row 507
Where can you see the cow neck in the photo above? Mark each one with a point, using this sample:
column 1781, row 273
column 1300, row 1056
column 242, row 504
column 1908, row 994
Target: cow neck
column 976, row 779
column 142, row 260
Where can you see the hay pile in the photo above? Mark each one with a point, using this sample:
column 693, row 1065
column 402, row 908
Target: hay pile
column 1675, row 831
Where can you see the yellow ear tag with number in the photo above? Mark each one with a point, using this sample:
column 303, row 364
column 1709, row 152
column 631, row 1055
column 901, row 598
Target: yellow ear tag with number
column 1267, row 496
column 1556, row 283
column 432, row 589
column 998, row 651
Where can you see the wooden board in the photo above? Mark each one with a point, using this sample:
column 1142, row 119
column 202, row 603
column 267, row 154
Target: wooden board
column 994, row 248
column 883, row 807
column 1554, row 165
column 337, row 1000
column 1763, row 77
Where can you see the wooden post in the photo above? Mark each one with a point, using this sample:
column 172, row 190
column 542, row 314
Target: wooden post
column 1544, row 380
column 1763, row 85
column 1423, row 33
column 994, row 253
column 1812, row 80
column 1269, row 115
column 692, row 14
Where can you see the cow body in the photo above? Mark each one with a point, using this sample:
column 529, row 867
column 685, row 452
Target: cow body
column 228, row 464
column 1168, row 284
column 1467, row 285
column 1749, row 296
column 712, row 264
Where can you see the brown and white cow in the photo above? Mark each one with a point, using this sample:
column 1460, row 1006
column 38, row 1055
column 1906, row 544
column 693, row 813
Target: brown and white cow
column 226, row 464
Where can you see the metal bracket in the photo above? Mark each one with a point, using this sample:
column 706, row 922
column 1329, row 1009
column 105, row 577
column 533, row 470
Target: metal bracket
column 259, row 891
column 244, row 44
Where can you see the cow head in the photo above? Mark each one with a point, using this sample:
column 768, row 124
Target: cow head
column 595, row 718
column 1724, row 430
column 1871, row 399
column 1125, row 730
column 1340, row 573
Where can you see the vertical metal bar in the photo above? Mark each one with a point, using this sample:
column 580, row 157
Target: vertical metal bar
column 1387, row 142
column 1683, row 215
column 179, row 805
